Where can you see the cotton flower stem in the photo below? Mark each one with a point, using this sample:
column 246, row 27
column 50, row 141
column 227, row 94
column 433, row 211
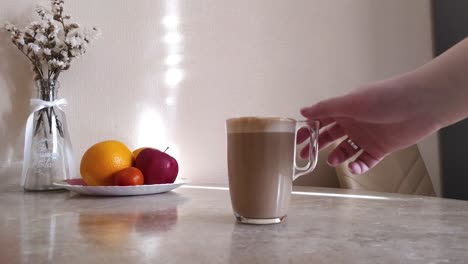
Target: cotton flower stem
column 63, row 23
column 38, row 123
column 50, row 72
column 57, row 75
column 49, row 118
column 36, row 62
column 39, row 70
column 45, row 141
column 65, row 30
column 50, row 114
column 58, row 123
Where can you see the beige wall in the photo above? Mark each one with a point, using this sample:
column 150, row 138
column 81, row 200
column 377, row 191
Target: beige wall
column 237, row 58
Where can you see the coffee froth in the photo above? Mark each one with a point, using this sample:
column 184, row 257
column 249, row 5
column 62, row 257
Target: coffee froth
column 260, row 124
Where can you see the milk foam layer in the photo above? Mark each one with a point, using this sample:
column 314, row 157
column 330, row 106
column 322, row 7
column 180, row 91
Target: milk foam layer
column 260, row 124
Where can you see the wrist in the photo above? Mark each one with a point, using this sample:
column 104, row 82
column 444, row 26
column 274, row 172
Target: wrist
column 442, row 86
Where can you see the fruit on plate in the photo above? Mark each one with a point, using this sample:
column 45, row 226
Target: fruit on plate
column 102, row 160
column 158, row 167
column 130, row 176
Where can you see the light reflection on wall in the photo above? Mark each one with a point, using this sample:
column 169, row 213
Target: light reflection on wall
column 171, row 21
column 170, row 101
column 172, row 38
column 173, row 41
column 156, row 121
column 151, row 130
column 173, row 59
column 173, row 74
column 173, row 77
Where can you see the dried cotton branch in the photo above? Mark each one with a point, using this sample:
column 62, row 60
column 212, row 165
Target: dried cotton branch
column 51, row 44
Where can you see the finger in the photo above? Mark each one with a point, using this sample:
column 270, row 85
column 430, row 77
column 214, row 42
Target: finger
column 329, row 135
column 326, row 137
column 341, row 153
column 336, row 106
column 363, row 163
column 302, row 135
column 304, row 154
column 325, row 121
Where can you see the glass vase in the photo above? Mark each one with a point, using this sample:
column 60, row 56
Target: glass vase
column 45, row 160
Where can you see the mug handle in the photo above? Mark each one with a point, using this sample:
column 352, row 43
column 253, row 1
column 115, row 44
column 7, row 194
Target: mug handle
column 312, row 127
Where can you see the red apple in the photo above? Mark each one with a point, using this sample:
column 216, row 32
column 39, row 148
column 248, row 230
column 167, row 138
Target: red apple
column 158, row 167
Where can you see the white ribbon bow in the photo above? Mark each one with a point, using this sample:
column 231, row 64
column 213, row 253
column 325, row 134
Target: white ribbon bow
column 37, row 105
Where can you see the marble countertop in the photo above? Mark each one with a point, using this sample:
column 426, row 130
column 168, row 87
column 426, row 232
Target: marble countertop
column 195, row 225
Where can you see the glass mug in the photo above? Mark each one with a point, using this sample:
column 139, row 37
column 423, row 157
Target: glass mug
column 262, row 165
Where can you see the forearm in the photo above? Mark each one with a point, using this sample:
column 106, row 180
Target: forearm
column 443, row 85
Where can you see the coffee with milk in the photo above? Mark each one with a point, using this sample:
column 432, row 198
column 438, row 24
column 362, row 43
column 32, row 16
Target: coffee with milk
column 260, row 167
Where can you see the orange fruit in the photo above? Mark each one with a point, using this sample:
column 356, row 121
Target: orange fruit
column 102, row 160
column 137, row 151
column 129, row 177
column 113, row 228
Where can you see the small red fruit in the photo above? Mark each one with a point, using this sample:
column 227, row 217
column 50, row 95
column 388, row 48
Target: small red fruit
column 130, row 176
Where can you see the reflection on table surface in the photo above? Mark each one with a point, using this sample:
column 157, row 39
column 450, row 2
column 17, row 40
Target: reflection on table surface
column 195, row 224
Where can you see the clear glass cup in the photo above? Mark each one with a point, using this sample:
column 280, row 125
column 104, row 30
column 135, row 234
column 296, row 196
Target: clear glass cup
column 262, row 165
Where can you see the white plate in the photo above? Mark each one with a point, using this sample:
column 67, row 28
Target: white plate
column 78, row 186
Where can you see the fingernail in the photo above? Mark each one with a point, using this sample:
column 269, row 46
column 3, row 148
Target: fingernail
column 354, row 168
